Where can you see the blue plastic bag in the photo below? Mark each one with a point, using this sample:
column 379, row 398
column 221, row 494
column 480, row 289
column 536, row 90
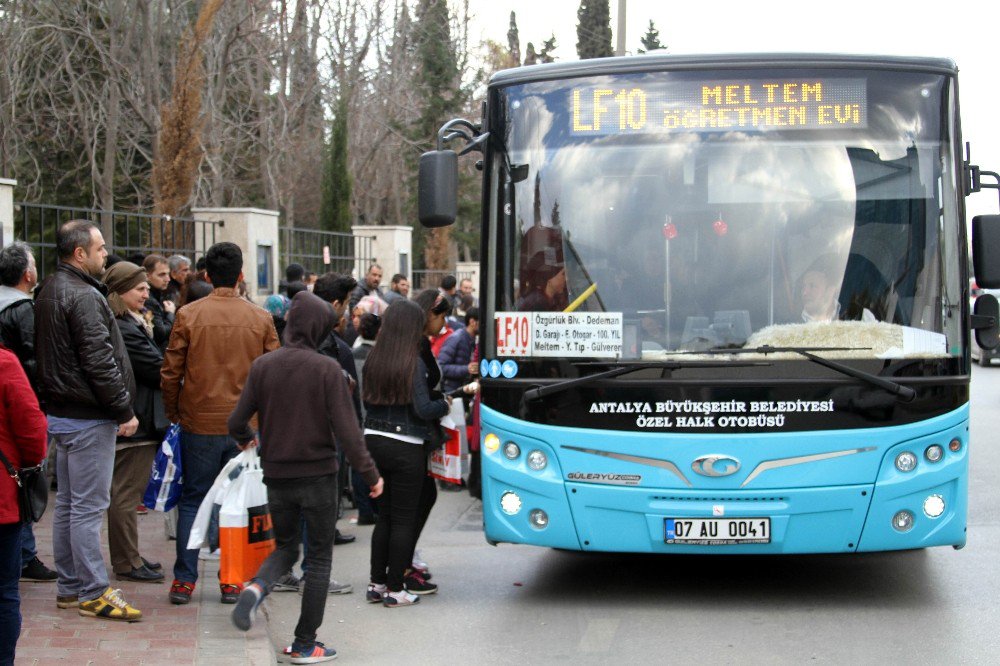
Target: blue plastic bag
column 164, row 488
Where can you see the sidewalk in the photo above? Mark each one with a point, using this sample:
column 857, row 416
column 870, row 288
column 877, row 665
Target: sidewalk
column 198, row 633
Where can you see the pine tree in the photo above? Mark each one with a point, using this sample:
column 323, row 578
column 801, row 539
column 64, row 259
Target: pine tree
column 439, row 85
column 530, row 57
column 593, row 29
column 514, row 40
column 335, row 214
column 548, row 46
column 651, row 40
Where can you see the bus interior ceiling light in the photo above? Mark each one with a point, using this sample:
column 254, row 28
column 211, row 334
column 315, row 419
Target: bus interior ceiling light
column 906, row 461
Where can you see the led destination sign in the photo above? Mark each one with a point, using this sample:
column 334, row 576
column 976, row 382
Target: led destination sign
column 755, row 104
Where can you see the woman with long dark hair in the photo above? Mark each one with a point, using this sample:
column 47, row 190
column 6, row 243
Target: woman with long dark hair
column 400, row 415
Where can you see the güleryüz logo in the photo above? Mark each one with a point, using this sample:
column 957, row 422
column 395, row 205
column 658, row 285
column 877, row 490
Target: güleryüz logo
column 716, row 465
column 613, row 479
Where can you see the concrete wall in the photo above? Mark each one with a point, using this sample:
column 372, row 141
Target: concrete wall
column 392, row 249
column 251, row 229
column 6, row 211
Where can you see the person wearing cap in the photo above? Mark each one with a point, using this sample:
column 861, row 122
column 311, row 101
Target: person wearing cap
column 128, row 291
column 547, row 286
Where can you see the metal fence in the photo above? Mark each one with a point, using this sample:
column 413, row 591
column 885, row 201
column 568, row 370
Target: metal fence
column 425, row 279
column 124, row 233
column 324, row 251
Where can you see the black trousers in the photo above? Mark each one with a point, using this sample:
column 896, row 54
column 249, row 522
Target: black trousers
column 312, row 501
column 406, row 501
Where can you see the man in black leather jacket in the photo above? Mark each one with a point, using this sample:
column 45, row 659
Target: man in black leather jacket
column 86, row 380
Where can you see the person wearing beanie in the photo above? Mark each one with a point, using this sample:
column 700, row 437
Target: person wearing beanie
column 128, row 291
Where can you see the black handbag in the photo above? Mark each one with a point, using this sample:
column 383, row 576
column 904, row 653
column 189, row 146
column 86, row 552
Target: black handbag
column 32, row 489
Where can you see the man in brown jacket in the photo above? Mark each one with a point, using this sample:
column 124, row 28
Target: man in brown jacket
column 213, row 342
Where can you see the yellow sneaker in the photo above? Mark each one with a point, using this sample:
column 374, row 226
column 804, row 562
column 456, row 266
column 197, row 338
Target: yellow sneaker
column 111, row 606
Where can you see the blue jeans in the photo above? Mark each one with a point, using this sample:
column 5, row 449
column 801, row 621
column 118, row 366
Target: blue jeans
column 10, row 598
column 84, row 465
column 202, row 458
column 28, row 547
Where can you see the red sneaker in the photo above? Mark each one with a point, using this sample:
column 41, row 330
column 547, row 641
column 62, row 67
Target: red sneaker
column 180, row 592
column 230, row 593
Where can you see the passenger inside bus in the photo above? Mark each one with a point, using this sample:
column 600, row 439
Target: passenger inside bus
column 819, row 288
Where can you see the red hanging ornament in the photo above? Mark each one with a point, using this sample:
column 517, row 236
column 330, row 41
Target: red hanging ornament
column 720, row 227
column 669, row 231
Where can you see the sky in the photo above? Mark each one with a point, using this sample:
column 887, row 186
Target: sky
column 964, row 32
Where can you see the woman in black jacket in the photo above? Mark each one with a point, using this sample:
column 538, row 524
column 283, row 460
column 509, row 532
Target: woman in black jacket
column 127, row 293
column 400, row 414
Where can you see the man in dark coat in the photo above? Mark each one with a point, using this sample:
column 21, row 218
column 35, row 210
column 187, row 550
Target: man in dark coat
column 86, row 382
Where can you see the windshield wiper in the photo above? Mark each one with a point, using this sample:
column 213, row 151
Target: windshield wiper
column 625, row 367
column 904, row 393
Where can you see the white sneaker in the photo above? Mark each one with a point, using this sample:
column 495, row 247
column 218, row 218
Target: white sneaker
column 399, row 599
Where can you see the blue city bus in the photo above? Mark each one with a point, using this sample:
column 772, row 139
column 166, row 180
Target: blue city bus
column 730, row 303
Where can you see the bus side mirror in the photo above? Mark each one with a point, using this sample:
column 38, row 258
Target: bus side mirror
column 437, row 190
column 986, row 250
column 986, row 321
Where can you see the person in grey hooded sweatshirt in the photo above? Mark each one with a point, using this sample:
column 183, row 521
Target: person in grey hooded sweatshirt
column 304, row 405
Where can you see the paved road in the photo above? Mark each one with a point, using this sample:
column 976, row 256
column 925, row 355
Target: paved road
column 518, row 604
column 521, row 604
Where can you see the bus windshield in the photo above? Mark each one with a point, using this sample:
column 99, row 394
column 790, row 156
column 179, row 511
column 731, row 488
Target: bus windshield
column 734, row 209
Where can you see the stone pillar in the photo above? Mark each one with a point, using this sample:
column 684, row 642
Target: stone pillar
column 392, row 249
column 256, row 232
column 7, row 211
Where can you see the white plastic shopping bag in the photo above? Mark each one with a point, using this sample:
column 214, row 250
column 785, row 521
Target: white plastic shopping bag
column 246, row 535
column 450, row 462
column 202, row 520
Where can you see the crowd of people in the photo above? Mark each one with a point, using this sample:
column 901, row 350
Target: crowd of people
column 338, row 384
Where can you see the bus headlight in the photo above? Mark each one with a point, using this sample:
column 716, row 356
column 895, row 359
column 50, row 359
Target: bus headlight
column 934, row 506
column 510, row 503
column 537, row 460
column 491, row 443
column 511, row 450
column 934, row 453
column 902, row 521
column 906, row 461
column 538, row 519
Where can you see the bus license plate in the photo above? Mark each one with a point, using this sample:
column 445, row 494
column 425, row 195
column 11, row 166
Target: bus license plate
column 717, row 531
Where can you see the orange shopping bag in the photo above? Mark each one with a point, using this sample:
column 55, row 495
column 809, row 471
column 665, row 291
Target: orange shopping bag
column 246, row 535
